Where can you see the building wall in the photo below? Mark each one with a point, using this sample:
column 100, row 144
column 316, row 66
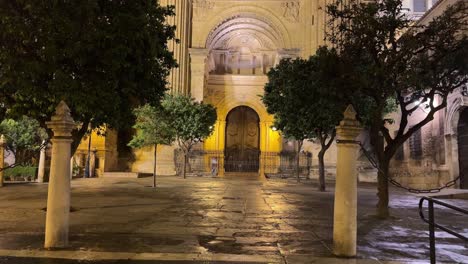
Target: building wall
column 280, row 29
column 438, row 160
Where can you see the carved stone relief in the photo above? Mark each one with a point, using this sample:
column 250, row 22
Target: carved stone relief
column 291, row 11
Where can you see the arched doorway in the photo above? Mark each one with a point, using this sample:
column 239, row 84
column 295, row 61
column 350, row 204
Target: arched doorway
column 463, row 148
column 242, row 147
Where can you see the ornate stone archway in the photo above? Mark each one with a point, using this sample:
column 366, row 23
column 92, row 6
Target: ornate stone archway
column 242, row 140
column 454, row 109
column 243, row 10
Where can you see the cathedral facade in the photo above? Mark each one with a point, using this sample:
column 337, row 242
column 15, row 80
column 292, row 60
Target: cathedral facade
column 224, row 50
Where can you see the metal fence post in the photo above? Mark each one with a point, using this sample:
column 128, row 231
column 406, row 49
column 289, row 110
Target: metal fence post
column 432, row 232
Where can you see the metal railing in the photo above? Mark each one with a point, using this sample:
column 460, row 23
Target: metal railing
column 273, row 164
column 433, row 224
column 283, row 164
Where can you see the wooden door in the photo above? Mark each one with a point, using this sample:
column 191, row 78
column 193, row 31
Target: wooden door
column 242, row 150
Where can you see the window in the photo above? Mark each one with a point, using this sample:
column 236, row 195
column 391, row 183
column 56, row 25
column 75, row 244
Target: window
column 419, row 6
column 415, row 143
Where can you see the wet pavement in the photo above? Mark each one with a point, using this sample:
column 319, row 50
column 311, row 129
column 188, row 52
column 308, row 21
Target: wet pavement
column 233, row 220
column 17, row 260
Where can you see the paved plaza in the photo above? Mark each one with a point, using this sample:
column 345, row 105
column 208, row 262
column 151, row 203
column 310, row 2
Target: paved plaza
column 216, row 220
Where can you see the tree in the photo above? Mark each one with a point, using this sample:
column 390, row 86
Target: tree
column 24, row 138
column 303, row 95
column 152, row 129
column 391, row 59
column 103, row 58
column 191, row 122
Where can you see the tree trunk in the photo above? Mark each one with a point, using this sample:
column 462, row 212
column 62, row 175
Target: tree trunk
column 321, row 161
column 377, row 141
column 77, row 135
column 184, row 168
column 382, row 178
column 154, row 164
column 299, row 146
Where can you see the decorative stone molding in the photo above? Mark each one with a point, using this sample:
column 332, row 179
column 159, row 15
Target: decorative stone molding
column 277, row 25
column 291, row 11
column 62, row 122
column 200, row 8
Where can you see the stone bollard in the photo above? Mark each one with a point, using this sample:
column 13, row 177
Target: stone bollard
column 42, row 158
column 2, row 158
column 58, row 199
column 345, row 212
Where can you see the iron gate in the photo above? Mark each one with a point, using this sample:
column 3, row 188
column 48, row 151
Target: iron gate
column 242, row 160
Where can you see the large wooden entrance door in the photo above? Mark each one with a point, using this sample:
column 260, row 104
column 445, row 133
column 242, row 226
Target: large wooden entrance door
column 242, row 150
column 463, row 148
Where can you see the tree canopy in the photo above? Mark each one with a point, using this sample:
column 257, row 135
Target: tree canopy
column 152, row 127
column 190, row 121
column 306, row 99
column 24, row 138
column 101, row 57
column 391, row 59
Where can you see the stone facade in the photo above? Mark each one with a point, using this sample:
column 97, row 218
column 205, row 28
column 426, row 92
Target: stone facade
column 225, row 49
column 432, row 157
column 232, row 46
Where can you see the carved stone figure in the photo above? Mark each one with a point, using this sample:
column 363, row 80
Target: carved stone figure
column 291, row 10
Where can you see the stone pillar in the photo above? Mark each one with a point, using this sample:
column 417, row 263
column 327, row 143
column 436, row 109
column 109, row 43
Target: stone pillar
column 58, row 199
column 42, row 159
column 92, row 163
column 2, row 158
column 345, row 212
column 179, row 77
column 71, row 168
column 198, row 71
column 221, row 137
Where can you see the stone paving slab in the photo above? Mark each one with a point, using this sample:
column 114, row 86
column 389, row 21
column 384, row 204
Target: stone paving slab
column 276, row 220
column 73, row 257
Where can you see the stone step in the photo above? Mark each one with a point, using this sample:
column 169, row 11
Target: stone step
column 133, row 175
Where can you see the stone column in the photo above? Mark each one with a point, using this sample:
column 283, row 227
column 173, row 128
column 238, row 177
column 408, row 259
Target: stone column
column 198, row 70
column 92, row 163
column 58, row 199
column 2, row 158
column 179, row 76
column 42, row 158
column 71, row 168
column 221, row 146
column 345, row 212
